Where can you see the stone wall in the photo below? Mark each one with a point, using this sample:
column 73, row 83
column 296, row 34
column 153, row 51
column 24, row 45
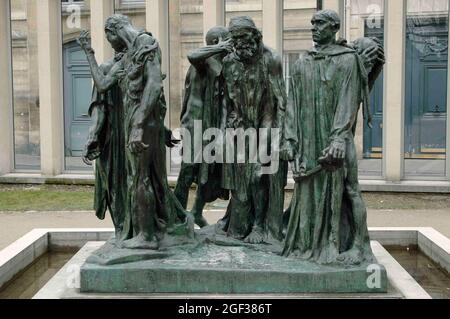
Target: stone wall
column 186, row 34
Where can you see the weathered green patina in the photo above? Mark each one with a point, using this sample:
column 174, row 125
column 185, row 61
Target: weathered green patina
column 202, row 102
column 231, row 85
column 327, row 215
column 212, row 269
column 255, row 99
column 132, row 181
column 106, row 144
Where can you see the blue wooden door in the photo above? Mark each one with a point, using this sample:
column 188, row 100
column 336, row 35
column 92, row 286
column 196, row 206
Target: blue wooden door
column 77, row 96
column 426, row 87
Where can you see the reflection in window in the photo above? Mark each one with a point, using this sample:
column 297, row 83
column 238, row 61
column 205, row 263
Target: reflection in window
column 185, row 35
column 367, row 20
column 75, row 16
column 251, row 8
column 25, row 84
column 426, row 88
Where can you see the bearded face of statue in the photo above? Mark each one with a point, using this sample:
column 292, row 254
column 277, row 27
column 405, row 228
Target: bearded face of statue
column 246, row 43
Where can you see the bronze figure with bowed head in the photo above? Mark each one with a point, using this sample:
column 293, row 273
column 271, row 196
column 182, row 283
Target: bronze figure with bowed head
column 134, row 176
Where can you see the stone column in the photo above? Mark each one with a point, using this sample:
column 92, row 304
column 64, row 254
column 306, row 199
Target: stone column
column 100, row 11
column 393, row 133
column 338, row 6
column 447, row 160
column 6, row 107
column 332, row 4
column 347, row 19
column 273, row 24
column 50, row 87
column 213, row 14
column 157, row 17
column 354, row 32
column 157, row 22
column 176, row 75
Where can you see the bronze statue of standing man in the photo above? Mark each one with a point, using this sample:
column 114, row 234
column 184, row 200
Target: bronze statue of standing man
column 328, row 221
column 203, row 103
column 255, row 99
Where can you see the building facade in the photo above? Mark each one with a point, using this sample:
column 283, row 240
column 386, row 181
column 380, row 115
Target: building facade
column 46, row 87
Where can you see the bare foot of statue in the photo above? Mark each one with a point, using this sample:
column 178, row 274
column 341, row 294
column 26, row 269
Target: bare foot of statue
column 200, row 221
column 220, row 226
column 255, row 237
column 140, row 242
column 352, row 257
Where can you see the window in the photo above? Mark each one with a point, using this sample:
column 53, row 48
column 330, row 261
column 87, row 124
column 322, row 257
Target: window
column 367, row 20
column 77, row 84
column 130, row 3
column 25, row 85
column 426, row 88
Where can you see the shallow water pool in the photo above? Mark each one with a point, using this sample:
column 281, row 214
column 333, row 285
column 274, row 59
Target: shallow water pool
column 25, row 285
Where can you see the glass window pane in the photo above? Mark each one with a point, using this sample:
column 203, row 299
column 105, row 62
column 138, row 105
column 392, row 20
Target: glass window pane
column 75, row 16
column 251, row 8
column 185, row 35
column 367, row 20
column 426, row 88
column 25, row 84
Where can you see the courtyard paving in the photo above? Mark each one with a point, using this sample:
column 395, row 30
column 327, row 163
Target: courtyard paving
column 14, row 225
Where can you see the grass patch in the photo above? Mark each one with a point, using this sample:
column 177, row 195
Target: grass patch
column 46, row 198
column 19, row 198
column 385, row 201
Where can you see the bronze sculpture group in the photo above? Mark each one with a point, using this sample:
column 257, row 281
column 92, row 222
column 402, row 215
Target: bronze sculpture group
column 236, row 83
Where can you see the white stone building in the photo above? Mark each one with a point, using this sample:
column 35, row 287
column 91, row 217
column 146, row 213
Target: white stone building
column 45, row 87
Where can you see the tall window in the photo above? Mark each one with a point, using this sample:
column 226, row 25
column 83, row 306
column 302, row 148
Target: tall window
column 367, row 20
column 426, row 88
column 25, row 85
column 75, row 16
column 185, row 35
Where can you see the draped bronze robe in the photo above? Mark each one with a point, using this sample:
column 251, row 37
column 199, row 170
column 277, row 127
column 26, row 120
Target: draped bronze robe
column 327, row 88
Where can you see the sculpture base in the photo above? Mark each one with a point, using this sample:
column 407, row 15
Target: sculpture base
column 212, row 269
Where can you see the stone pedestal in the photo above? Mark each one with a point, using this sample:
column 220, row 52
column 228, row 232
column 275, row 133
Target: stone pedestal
column 208, row 268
